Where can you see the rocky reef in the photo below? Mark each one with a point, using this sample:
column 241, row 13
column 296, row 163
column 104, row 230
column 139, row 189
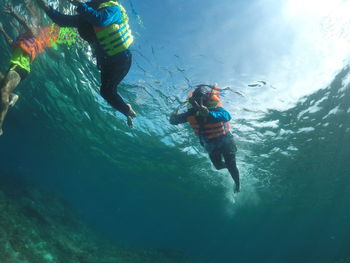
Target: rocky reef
column 38, row 227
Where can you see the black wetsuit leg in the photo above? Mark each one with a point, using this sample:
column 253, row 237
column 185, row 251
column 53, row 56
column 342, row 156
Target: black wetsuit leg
column 216, row 159
column 229, row 152
column 224, row 149
column 111, row 75
column 230, row 161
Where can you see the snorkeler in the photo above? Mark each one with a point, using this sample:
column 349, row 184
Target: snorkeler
column 104, row 25
column 210, row 122
column 25, row 48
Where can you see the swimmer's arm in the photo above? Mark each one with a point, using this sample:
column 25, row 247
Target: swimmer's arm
column 23, row 23
column 6, row 35
column 101, row 17
column 63, row 20
column 31, row 10
column 176, row 119
column 58, row 18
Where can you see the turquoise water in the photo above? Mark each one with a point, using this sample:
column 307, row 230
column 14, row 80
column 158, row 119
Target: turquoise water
column 153, row 186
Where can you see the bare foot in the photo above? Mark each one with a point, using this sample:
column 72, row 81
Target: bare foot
column 131, row 112
column 1, row 132
column 131, row 115
column 14, row 98
column 129, row 121
column 237, row 189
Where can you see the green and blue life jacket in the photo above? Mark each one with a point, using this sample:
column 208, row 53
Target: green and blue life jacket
column 114, row 38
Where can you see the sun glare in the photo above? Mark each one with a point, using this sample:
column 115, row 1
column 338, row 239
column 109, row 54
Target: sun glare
column 311, row 8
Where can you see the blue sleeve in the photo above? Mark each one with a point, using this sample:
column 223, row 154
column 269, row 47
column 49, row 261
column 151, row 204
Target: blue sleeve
column 102, row 17
column 63, row 20
column 220, row 114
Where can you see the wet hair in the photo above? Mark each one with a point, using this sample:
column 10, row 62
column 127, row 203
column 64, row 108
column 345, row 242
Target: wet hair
column 199, row 95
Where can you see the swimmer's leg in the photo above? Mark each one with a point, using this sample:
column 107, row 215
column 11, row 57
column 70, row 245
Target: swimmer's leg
column 10, row 82
column 230, row 161
column 216, row 159
column 111, row 76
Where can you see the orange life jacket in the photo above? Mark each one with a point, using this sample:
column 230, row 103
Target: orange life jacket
column 36, row 45
column 208, row 130
column 214, row 99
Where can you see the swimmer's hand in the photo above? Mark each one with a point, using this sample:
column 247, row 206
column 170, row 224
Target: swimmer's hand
column 131, row 114
column 237, row 189
column 201, row 109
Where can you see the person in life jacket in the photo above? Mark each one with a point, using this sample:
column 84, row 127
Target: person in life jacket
column 104, row 25
column 25, row 48
column 210, row 122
